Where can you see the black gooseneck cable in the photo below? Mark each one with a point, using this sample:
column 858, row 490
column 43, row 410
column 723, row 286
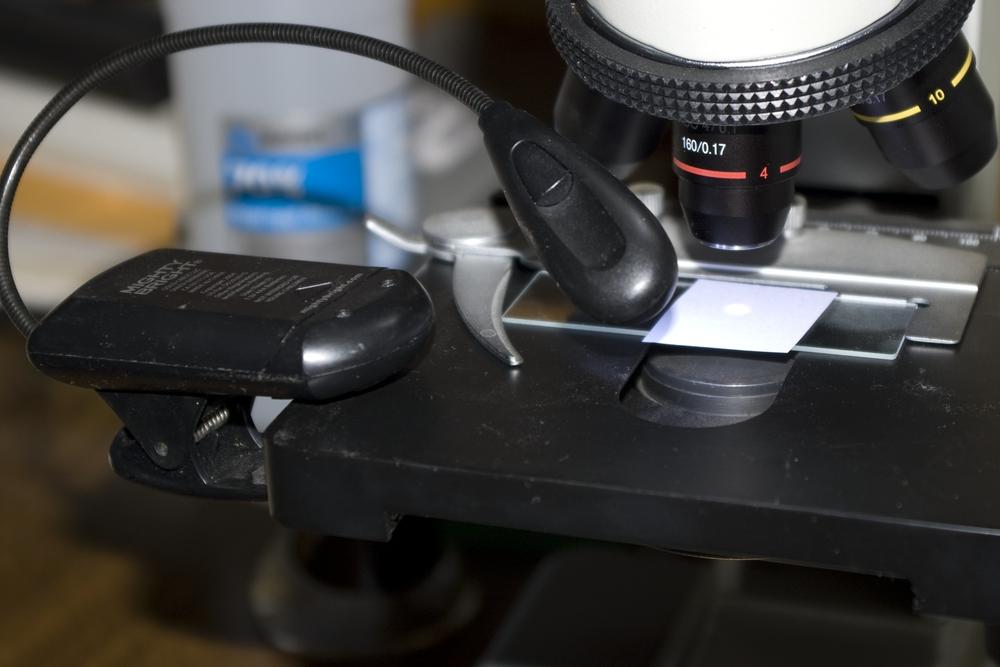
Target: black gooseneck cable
column 158, row 47
column 602, row 246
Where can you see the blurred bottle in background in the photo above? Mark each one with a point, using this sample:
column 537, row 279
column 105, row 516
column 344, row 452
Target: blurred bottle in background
column 287, row 146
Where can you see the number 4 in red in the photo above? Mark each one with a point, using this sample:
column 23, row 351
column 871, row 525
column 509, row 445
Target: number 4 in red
column 764, row 173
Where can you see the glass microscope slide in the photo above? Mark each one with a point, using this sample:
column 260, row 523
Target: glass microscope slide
column 852, row 326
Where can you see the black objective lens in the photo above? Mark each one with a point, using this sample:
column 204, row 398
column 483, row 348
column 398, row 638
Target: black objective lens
column 737, row 183
column 618, row 137
column 938, row 127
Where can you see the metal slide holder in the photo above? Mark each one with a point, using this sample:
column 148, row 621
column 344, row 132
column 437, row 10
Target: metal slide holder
column 891, row 289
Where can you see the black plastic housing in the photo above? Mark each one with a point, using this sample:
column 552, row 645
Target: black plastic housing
column 603, row 247
column 181, row 321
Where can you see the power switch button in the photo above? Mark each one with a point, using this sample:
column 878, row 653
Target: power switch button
column 547, row 181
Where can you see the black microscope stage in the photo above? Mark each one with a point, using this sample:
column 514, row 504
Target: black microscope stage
column 879, row 467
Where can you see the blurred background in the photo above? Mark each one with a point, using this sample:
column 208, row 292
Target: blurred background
column 278, row 150
column 206, row 151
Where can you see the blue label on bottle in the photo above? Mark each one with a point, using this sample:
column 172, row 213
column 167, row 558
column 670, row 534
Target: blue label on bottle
column 293, row 179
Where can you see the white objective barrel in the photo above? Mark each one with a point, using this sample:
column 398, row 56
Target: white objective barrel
column 733, row 31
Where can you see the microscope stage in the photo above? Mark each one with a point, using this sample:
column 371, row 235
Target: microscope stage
column 881, row 467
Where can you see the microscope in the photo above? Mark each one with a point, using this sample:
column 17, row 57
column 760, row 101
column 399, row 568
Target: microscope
column 733, row 84
column 737, row 81
column 508, row 384
column 869, row 448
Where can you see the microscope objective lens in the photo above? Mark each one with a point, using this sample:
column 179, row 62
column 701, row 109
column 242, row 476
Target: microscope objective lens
column 736, row 184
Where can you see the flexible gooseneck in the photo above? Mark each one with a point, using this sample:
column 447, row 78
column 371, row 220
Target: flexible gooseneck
column 594, row 216
column 158, row 47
